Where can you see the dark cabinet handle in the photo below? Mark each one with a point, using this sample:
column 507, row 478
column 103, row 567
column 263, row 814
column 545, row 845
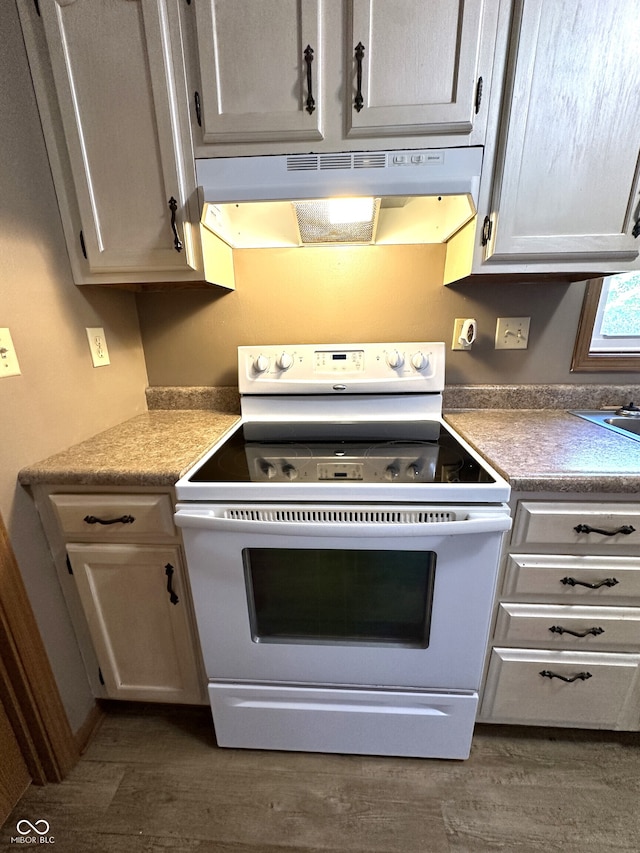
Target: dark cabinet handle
column 196, row 101
column 557, row 629
column 478, row 99
column 358, row 102
column 168, row 570
column 124, row 519
column 177, row 242
column 626, row 529
column 487, row 228
column 308, row 58
column 596, row 585
column 581, row 676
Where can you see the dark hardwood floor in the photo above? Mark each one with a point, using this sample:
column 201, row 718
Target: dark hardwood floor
column 153, row 779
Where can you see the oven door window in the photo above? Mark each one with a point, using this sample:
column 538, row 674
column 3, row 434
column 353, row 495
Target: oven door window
column 340, row 596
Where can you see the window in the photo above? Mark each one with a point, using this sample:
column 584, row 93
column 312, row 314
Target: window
column 340, row 596
column 609, row 332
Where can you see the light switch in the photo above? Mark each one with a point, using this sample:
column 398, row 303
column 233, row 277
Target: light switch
column 8, row 359
column 512, row 332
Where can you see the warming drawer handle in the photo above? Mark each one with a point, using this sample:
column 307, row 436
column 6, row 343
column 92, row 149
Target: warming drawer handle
column 308, row 58
column 168, row 570
column 625, row 529
column 177, row 242
column 558, row 629
column 124, row 519
column 604, row 582
column 580, row 676
column 358, row 101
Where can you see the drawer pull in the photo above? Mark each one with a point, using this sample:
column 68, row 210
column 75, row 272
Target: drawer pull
column 597, row 585
column 558, row 629
column 626, row 529
column 581, row 676
column 124, row 519
column 168, row 570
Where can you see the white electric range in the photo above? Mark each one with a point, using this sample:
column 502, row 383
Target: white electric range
column 342, row 545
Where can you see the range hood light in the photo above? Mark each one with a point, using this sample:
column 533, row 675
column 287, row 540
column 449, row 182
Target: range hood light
column 347, row 210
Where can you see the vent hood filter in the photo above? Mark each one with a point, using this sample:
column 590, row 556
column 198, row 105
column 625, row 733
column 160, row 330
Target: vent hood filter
column 318, row 224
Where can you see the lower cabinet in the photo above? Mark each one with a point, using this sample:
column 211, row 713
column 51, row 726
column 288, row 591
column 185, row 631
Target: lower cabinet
column 134, row 601
column 565, row 649
column 121, row 568
column 581, row 689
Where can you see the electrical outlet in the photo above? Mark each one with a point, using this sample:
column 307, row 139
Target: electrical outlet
column 458, row 324
column 512, row 332
column 98, row 347
column 8, row 359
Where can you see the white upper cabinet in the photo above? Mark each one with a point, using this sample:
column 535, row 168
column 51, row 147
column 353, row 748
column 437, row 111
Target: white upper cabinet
column 417, row 66
column 117, row 130
column 261, row 72
column 291, row 76
column 566, row 186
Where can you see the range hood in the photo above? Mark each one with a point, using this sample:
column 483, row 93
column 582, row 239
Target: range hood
column 413, row 196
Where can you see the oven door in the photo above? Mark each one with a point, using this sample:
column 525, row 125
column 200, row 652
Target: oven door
column 340, row 595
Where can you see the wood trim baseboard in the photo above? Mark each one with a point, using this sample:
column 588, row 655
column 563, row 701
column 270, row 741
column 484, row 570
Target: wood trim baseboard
column 27, row 684
column 87, row 730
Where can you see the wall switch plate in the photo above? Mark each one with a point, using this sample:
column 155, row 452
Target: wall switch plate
column 8, row 359
column 98, row 347
column 512, row 332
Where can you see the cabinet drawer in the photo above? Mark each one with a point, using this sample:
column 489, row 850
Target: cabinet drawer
column 606, row 696
column 613, row 628
column 564, row 523
column 114, row 517
column 566, row 577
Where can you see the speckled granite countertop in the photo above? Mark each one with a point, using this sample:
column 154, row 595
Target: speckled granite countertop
column 551, row 450
column 536, row 449
column 152, row 449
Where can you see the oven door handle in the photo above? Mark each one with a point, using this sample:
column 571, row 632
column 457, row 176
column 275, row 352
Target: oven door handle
column 204, row 520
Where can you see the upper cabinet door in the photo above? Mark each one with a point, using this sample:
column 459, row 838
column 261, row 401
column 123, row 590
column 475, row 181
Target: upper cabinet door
column 415, row 66
column 114, row 83
column 260, row 69
column 567, row 185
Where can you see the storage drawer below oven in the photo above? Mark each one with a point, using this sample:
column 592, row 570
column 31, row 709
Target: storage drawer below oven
column 365, row 722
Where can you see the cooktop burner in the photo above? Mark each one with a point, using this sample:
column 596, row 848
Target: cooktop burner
column 419, row 451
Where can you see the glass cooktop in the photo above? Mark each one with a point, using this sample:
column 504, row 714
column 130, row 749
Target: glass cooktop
column 372, row 452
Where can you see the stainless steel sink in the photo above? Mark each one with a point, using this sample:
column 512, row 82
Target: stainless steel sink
column 628, row 426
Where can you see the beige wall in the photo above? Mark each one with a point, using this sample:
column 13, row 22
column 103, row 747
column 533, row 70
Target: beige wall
column 59, row 398
column 358, row 294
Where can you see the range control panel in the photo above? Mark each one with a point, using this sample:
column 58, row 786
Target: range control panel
column 347, row 368
column 398, row 463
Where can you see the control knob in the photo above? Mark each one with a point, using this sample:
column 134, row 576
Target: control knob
column 260, row 364
column 284, row 361
column 268, row 469
column 391, row 471
column 395, row 359
column 419, row 360
column 413, row 471
column 290, row 471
